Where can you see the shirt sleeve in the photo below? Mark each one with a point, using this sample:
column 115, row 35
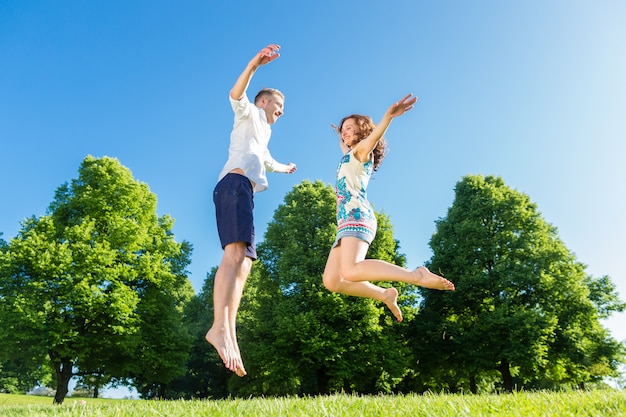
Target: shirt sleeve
column 272, row 165
column 242, row 107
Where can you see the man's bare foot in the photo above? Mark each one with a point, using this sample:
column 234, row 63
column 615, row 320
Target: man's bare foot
column 220, row 339
column 241, row 371
column 391, row 300
column 427, row 279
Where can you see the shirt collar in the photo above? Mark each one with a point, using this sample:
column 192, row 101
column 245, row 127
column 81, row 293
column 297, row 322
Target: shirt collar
column 262, row 115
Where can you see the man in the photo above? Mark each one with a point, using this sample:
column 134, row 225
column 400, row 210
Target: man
column 242, row 176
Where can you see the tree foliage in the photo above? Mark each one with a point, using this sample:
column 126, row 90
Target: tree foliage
column 97, row 285
column 523, row 306
column 162, row 343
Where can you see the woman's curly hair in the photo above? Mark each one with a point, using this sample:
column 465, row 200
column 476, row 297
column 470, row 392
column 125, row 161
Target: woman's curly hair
column 366, row 125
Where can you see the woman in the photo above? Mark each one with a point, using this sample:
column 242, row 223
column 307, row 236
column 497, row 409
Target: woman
column 347, row 271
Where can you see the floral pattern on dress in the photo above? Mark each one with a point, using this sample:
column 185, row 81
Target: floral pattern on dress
column 355, row 216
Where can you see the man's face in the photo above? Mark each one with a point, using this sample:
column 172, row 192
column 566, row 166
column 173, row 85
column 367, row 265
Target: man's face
column 273, row 106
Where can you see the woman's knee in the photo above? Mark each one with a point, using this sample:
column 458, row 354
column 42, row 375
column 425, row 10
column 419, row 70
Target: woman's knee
column 349, row 273
column 331, row 283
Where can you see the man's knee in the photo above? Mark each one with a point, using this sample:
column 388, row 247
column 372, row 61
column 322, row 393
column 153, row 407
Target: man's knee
column 235, row 252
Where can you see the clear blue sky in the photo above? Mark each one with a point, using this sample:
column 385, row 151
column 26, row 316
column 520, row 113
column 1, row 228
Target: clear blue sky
column 533, row 91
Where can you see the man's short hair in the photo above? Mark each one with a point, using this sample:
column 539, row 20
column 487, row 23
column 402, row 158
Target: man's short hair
column 267, row 92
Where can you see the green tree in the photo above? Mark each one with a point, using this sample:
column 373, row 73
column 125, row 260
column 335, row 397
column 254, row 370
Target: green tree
column 206, row 376
column 296, row 336
column 523, row 305
column 77, row 283
column 17, row 378
column 161, row 350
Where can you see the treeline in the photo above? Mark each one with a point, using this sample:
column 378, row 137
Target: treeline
column 97, row 289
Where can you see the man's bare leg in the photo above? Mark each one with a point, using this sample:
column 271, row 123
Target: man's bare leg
column 223, row 294
column 233, row 308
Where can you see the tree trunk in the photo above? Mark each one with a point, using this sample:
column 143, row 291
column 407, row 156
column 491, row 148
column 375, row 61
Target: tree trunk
column 63, row 369
column 507, row 379
column 322, row 381
column 98, row 378
column 473, row 386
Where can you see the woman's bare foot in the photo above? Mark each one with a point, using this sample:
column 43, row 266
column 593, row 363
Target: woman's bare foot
column 427, row 279
column 220, row 339
column 391, row 300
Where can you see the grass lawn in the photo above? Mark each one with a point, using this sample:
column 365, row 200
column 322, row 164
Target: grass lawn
column 601, row 403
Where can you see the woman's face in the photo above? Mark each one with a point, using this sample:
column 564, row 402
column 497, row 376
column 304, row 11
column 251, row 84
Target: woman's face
column 349, row 130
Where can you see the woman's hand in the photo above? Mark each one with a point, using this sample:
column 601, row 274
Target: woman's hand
column 400, row 107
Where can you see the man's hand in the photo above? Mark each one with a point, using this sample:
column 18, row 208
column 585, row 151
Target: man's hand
column 291, row 168
column 266, row 55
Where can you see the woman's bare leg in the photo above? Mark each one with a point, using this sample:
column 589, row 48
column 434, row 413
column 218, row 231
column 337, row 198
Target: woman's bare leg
column 355, row 268
column 334, row 282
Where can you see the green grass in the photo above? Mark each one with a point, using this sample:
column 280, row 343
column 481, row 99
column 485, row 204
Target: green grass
column 593, row 403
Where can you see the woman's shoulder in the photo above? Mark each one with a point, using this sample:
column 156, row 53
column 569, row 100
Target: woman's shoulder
column 361, row 158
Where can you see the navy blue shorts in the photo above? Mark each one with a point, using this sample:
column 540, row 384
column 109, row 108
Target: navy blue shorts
column 233, row 198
